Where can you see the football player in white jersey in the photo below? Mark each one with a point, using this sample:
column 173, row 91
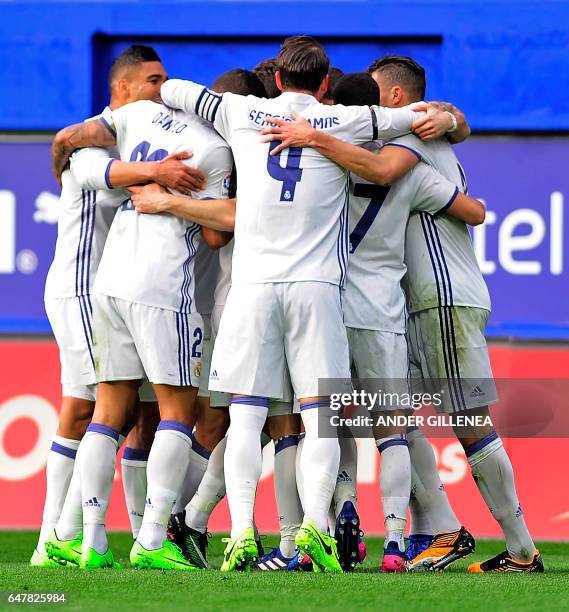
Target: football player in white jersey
column 374, row 303
column 86, row 213
column 189, row 527
column 448, row 299
column 284, row 303
column 146, row 322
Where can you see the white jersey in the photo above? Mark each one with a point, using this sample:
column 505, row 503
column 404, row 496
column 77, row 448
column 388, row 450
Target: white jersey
column 374, row 298
column 149, row 259
column 441, row 266
column 291, row 220
column 85, row 216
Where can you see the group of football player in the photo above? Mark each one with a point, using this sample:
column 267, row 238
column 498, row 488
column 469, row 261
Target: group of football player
column 228, row 258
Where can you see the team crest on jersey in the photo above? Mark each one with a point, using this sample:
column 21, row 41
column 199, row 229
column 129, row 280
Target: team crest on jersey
column 198, row 370
column 226, row 183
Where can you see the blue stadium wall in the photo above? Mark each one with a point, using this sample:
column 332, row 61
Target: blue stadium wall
column 506, row 64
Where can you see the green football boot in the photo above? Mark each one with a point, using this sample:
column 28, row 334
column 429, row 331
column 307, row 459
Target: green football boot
column 40, row 559
column 320, row 547
column 91, row 559
column 240, row 554
column 64, row 551
column 169, row 557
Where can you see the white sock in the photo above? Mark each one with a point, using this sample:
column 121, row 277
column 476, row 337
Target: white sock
column 395, row 484
column 134, row 463
column 60, row 463
column 419, row 507
column 431, row 502
column 199, row 457
column 96, row 458
column 70, row 523
column 210, row 491
column 286, row 493
column 494, row 476
column 347, row 474
column 167, row 466
column 319, row 463
column 243, row 459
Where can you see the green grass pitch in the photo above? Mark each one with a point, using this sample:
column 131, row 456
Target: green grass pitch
column 366, row 589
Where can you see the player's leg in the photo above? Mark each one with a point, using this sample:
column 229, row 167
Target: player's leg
column 74, row 417
column 494, row 476
column 96, row 459
column 248, row 359
column 211, row 427
column 490, row 464
column 189, row 526
column 120, row 370
column 284, row 428
column 169, row 345
column 316, row 350
column 135, row 456
column 77, row 405
column 447, row 541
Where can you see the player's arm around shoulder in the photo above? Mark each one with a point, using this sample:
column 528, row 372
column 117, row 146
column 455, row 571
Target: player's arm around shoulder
column 461, row 130
column 95, row 133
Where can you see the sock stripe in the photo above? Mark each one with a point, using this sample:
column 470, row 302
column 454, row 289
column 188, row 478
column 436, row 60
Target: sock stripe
column 251, row 400
column 199, row 449
column 318, row 404
column 176, row 426
column 135, row 454
column 480, row 444
column 395, row 442
column 286, row 442
column 103, row 429
column 63, row 450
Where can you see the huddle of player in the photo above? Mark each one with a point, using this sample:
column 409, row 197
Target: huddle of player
column 202, row 356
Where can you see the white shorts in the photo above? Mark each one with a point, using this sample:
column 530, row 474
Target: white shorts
column 132, row 339
column 220, row 399
column 379, row 362
column 71, row 322
column 267, row 326
column 448, row 351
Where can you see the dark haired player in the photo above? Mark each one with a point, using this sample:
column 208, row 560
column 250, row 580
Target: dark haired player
column 86, row 214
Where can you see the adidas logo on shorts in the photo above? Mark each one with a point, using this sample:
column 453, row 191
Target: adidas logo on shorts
column 476, row 392
column 213, row 375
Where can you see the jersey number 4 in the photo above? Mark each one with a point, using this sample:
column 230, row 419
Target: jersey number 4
column 288, row 175
column 377, row 195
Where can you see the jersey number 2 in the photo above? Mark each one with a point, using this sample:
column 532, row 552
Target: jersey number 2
column 377, row 195
column 288, row 175
column 140, row 153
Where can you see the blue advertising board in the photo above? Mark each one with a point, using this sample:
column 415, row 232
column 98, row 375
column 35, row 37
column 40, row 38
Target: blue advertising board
column 521, row 248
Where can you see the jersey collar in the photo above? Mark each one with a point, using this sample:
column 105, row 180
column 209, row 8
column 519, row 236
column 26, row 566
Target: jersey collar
column 299, row 97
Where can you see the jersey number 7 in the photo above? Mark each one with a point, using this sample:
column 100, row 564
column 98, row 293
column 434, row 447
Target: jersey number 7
column 288, row 175
column 377, row 195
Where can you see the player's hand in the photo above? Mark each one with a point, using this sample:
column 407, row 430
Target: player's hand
column 172, row 173
column 151, row 198
column 433, row 125
column 295, row 133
